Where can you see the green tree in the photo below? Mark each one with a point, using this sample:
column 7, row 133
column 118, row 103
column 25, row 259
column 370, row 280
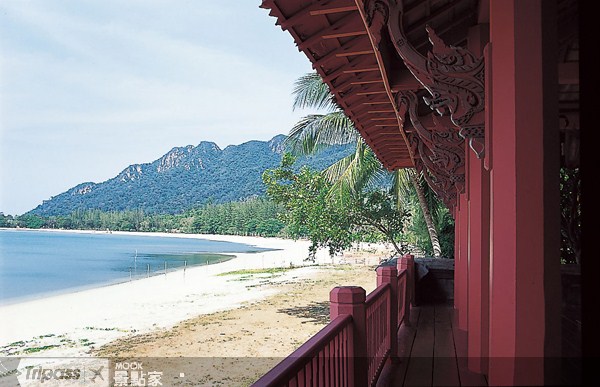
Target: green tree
column 330, row 221
column 31, row 221
column 6, row 220
column 358, row 170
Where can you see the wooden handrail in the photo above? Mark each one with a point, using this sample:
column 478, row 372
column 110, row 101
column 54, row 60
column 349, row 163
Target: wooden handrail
column 289, row 367
column 375, row 294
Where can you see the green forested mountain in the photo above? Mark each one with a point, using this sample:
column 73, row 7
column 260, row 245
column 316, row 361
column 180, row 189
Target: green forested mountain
column 185, row 177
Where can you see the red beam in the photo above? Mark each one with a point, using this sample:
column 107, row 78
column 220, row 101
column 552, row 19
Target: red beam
column 319, row 8
column 386, row 102
column 363, row 79
column 354, row 66
column 346, row 23
column 371, row 92
column 349, row 48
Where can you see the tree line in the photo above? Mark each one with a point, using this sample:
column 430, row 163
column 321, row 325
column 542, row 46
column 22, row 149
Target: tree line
column 256, row 216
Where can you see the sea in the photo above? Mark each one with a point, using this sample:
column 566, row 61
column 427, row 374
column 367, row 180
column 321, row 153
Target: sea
column 35, row 264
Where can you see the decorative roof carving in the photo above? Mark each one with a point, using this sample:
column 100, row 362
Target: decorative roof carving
column 453, row 76
column 439, row 147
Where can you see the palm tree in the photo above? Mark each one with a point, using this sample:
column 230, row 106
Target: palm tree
column 356, row 171
column 402, row 181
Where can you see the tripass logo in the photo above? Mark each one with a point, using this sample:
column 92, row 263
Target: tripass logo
column 63, row 372
column 45, row 374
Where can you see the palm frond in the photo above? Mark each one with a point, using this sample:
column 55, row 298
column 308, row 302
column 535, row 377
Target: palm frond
column 311, row 92
column 317, row 130
column 353, row 173
column 344, row 166
column 402, row 186
column 433, row 202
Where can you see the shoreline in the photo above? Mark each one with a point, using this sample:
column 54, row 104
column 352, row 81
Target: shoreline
column 76, row 323
column 216, row 237
column 113, row 282
column 118, row 281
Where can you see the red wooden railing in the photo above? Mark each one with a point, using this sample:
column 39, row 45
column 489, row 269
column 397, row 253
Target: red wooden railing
column 362, row 335
column 378, row 305
column 324, row 360
column 402, row 287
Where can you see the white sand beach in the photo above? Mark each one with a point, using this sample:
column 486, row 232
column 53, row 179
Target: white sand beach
column 76, row 324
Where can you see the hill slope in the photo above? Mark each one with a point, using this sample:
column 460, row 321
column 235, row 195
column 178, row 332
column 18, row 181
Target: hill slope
column 185, row 177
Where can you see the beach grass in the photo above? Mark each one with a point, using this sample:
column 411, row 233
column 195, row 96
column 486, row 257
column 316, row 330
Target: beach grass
column 39, row 349
column 270, row 270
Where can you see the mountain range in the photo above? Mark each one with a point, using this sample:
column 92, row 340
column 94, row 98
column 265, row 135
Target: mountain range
column 186, row 177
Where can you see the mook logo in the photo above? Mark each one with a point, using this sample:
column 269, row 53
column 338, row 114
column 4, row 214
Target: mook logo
column 63, row 372
column 131, row 365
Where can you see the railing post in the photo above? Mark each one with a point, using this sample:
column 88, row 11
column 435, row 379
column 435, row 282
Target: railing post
column 389, row 275
column 407, row 262
column 351, row 300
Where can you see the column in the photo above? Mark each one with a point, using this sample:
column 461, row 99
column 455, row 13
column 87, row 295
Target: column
column 525, row 297
column 478, row 186
column 462, row 265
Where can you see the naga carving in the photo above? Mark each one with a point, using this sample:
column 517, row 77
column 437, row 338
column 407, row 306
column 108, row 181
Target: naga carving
column 438, row 150
column 453, row 76
column 439, row 184
column 445, row 145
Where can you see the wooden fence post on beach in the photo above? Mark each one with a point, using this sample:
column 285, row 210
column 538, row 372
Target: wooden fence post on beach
column 351, row 300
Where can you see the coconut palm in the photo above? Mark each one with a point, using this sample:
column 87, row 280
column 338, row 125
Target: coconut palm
column 359, row 169
column 402, row 182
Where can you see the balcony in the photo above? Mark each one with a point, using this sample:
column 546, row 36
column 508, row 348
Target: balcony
column 380, row 340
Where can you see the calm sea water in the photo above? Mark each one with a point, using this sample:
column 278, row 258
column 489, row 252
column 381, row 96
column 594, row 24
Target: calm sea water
column 38, row 263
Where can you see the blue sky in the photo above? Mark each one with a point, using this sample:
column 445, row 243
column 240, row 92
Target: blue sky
column 90, row 87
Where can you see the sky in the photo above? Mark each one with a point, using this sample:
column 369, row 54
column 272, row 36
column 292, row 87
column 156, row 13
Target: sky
column 90, row 87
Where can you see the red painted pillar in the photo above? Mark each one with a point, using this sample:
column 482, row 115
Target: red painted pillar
column 478, row 188
column 479, row 223
column 351, row 300
column 389, row 275
column 461, row 265
column 524, row 259
column 457, row 274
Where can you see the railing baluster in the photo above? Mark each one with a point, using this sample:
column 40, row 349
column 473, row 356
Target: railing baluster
column 336, row 358
column 300, row 377
column 315, row 372
column 329, row 368
column 344, row 359
column 321, row 371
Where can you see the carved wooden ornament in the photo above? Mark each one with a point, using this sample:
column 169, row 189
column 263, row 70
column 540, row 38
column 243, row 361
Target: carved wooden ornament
column 453, row 76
